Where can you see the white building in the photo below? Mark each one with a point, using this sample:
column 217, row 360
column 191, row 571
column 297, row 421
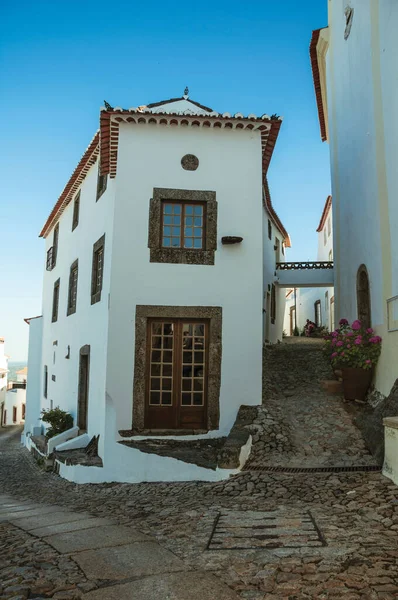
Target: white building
column 12, row 393
column 3, row 381
column 354, row 62
column 155, row 284
column 314, row 303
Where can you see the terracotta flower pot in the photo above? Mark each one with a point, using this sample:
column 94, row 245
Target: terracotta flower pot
column 356, row 382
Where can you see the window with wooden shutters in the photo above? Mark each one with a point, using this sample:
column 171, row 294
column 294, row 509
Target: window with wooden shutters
column 76, row 211
column 72, row 291
column 55, row 245
column 273, row 304
column 97, row 270
column 183, row 225
column 269, row 229
column 55, row 301
column 101, row 184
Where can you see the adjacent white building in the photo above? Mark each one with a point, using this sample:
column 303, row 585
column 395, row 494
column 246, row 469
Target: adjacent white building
column 314, row 303
column 3, row 381
column 12, row 393
column 158, row 270
column 354, row 62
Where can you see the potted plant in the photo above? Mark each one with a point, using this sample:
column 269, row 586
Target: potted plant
column 354, row 350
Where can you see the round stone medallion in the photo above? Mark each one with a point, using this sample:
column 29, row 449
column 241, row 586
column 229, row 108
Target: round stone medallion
column 190, row 162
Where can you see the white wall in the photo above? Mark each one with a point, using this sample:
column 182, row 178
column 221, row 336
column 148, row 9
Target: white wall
column 14, row 399
column 230, row 165
column 363, row 129
column 34, row 382
column 89, row 324
column 272, row 332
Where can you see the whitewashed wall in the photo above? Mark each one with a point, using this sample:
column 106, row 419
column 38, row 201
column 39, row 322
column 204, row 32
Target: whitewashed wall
column 14, row 399
column 230, row 165
column 89, row 324
column 35, row 379
column 272, row 332
column 363, row 129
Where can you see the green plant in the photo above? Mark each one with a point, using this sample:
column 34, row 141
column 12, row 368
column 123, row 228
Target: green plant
column 59, row 421
column 296, row 331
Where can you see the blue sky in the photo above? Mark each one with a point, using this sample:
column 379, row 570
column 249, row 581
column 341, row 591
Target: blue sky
column 60, row 60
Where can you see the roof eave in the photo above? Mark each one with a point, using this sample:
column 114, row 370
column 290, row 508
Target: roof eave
column 317, row 82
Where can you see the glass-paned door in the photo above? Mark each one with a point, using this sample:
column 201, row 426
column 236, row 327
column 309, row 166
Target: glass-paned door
column 176, row 383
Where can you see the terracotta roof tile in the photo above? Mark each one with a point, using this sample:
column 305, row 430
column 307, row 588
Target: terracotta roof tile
column 272, row 213
column 325, row 213
column 317, row 82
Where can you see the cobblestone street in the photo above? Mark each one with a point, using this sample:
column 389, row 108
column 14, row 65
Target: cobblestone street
column 266, row 535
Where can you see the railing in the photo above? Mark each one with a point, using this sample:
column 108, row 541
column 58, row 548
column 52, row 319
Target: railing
column 50, row 259
column 16, row 385
column 295, row 266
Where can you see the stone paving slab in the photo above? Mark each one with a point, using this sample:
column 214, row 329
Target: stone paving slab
column 52, row 518
column 34, row 512
column 173, row 586
column 123, row 562
column 95, row 537
column 72, row 526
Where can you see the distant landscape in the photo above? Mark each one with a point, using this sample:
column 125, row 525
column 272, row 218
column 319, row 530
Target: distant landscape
column 13, row 368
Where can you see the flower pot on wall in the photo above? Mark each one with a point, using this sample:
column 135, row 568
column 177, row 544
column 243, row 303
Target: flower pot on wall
column 356, row 382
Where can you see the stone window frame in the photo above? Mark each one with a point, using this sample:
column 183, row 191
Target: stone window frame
column 214, row 315
column 57, row 285
column 191, row 256
column 102, row 182
column 71, row 307
column 95, row 290
column 76, row 212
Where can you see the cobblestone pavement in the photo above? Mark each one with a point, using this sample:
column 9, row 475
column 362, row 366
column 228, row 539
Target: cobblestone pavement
column 319, row 535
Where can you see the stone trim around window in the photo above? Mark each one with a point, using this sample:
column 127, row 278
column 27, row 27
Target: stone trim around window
column 143, row 313
column 71, row 307
column 96, row 288
column 182, row 255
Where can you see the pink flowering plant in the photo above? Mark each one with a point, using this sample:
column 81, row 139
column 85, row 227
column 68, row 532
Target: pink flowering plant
column 353, row 346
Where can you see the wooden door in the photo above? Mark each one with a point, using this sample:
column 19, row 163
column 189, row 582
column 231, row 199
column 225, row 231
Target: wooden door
column 292, row 319
column 14, row 414
column 83, row 389
column 176, row 382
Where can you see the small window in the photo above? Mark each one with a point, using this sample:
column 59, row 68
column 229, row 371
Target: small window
column 23, row 410
column 329, row 227
column 45, row 382
column 273, row 304
column 269, row 229
column 283, row 249
column 330, row 255
column 76, row 211
column 72, row 292
column 183, row 225
column 348, row 13
column 101, row 184
column 325, row 239
column 14, row 414
column 97, row 270
column 55, row 245
column 55, row 301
